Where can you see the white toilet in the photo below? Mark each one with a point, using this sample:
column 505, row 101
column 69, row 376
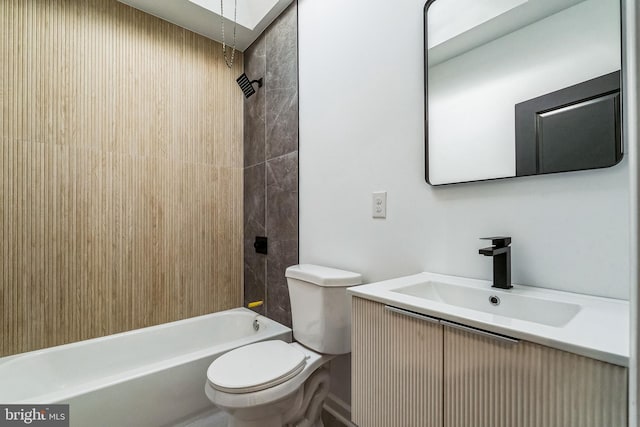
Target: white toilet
column 272, row 383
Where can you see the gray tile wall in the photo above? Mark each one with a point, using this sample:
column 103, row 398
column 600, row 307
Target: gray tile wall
column 271, row 165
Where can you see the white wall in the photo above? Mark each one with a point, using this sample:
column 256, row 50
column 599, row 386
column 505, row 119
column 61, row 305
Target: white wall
column 361, row 130
column 480, row 88
column 632, row 110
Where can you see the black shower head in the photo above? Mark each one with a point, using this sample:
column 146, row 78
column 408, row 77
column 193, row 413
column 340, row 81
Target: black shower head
column 247, row 86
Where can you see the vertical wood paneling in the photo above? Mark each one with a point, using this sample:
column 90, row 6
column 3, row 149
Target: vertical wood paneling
column 396, row 368
column 492, row 384
column 120, row 161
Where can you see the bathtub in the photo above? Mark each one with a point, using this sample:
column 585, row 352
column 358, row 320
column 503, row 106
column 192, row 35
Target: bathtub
column 147, row 377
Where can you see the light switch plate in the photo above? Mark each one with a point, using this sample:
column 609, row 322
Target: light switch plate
column 379, row 208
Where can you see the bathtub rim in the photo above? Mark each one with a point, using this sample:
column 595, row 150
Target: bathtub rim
column 136, row 331
column 274, row 331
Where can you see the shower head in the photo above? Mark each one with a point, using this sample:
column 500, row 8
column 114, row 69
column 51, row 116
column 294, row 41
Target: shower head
column 247, row 86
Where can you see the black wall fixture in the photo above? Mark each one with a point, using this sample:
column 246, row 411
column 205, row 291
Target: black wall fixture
column 260, row 245
column 575, row 128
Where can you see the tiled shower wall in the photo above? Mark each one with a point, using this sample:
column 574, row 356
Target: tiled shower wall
column 271, row 165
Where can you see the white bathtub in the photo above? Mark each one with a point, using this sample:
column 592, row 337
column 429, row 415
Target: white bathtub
column 147, row 377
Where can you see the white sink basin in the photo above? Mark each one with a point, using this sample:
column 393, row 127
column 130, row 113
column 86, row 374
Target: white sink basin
column 495, row 301
column 587, row 325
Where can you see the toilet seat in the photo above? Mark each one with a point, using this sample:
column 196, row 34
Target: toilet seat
column 256, row 367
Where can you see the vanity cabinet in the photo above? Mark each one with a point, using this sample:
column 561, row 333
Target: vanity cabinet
column 414, row 371
column 396, row 368
column 490, row 382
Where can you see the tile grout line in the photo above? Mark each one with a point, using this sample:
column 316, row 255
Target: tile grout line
column 266, row 198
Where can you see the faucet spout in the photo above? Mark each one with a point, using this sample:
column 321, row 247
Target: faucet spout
column 493, row 251
column 501, row 253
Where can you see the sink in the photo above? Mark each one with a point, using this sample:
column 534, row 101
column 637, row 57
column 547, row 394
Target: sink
column 587, row 325
column 503, row 303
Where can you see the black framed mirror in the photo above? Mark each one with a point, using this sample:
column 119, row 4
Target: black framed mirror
column 521, row 87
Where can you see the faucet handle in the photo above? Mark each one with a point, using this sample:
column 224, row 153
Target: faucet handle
column 498, row 241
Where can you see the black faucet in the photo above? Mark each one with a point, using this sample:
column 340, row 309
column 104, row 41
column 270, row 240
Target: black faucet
column 501, row 253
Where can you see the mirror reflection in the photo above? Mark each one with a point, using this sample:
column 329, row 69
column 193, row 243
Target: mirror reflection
column 517, row 87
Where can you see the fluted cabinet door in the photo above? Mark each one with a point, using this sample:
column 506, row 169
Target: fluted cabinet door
column 396, row 368
column 489, row 383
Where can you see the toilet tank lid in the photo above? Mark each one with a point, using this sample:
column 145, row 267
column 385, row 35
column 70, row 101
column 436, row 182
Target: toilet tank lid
column 323, row 276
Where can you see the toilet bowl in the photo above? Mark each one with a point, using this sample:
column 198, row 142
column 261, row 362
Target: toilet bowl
column 273, row 383
column 275, row 397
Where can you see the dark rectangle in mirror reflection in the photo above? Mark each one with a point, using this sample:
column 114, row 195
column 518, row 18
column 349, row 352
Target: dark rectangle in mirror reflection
column 571, row 129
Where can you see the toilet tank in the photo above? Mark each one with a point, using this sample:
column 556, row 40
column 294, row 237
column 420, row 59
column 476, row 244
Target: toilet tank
column 320, row 307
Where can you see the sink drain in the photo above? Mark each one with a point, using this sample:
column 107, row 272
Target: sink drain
column 494, row 300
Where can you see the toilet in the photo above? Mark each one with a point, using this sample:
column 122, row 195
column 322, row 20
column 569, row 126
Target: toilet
column 274, row 383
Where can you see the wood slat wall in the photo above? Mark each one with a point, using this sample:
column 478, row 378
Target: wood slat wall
column 121, row 173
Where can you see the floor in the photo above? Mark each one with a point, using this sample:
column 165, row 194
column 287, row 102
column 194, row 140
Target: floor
column 216, row 418
column 330, row 421
column 213, row 418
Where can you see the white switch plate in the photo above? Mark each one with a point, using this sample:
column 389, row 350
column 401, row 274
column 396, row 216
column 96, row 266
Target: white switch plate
column 379, row 208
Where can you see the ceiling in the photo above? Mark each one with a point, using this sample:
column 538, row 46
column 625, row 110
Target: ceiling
column 203, row 16
column 457, row 26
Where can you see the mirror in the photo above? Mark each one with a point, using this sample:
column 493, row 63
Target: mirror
column 521, row 87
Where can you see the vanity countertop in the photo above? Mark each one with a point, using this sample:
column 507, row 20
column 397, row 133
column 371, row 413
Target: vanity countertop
column 599, row 328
